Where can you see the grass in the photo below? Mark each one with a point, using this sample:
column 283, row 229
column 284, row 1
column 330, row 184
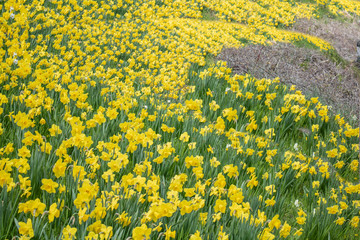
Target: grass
column 208, row 14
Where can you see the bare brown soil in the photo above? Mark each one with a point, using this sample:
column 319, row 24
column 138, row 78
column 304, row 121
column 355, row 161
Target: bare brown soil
column 310, row 70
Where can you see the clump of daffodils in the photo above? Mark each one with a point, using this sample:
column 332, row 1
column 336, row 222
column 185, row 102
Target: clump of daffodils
column 114, row 124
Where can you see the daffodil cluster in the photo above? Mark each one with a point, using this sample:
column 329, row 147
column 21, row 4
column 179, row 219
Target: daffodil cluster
column 116, row 123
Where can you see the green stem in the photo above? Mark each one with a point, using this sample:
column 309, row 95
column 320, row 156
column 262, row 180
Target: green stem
column 11, row 214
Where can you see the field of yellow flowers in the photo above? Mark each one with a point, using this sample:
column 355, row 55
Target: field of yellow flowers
column 116, row 124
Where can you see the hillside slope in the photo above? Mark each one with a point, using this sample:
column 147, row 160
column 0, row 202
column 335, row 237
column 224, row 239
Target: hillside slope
column 117, row 123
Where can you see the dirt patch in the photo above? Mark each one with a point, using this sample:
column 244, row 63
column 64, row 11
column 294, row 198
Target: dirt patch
column 310, row 70
column 343, row 36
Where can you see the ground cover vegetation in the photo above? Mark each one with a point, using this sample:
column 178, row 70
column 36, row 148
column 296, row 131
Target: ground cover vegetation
column 116, row 123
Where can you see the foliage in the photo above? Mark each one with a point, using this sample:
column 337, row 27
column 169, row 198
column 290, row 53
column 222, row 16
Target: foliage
column 114, row 123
